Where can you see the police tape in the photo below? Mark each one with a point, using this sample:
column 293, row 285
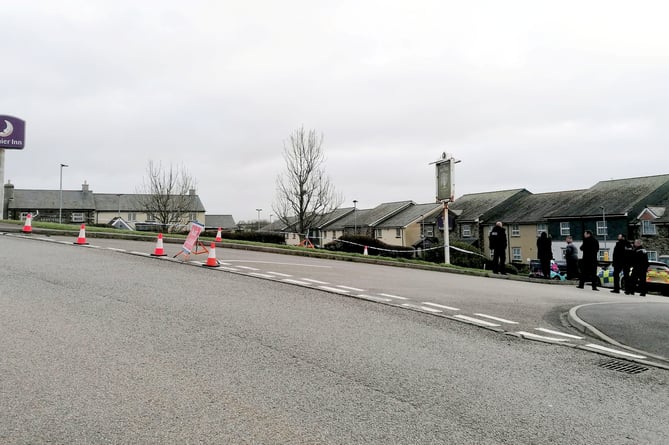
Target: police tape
column 440, row 247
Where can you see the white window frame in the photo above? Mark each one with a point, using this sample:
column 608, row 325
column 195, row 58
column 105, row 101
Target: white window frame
column 466, row 230
column 565, row 229
column 648, row 228
column 398, row 232
column 542, row 228
column 602, row 228
column 429, row 231
column 77, row 217
column 515, row 230
column 516, row 254
column 652, row 255
column 378, row 233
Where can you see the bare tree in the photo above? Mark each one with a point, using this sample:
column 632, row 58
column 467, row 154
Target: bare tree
column 304, row 192
column 167, row 194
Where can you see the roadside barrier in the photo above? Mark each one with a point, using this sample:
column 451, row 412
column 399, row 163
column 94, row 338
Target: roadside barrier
column 81, row 240
column 159, row 250
column 28, row 226
column 211, row 259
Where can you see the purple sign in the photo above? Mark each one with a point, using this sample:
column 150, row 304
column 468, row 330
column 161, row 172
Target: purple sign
column 12, row 132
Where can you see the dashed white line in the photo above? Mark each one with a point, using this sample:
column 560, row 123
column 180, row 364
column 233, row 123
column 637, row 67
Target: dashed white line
column 334, row 289
column 372, row 297
column 350, row 288
column 247, row 268
column 614, row 351
column 261, row 275
column 116, row 249
column 441, row 306
column 394, row 296
column 315, row 281
column 548, row 331
column 501, row 320
column 279, row 274
column 423, row 308
column 301, row 283
column 229, row 269
column 475, row 320
column 539, row 337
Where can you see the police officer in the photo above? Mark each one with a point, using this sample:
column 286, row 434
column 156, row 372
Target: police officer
column 590, row 249
column 639, row 270
column 621, row 259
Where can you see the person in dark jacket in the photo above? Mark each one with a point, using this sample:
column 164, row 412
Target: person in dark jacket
column 571, row 255
column 639, row 270
column 545, row 254
column 621, row 259
column 590, row 249
column 497, row 239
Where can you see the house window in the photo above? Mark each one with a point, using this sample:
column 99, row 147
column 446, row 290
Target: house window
column 77, row 217
column 648, row 228
column 378, row 233
column 652, row 255
column 564, row 229
column 516, row 254
column 429, row 231
column 132, row 216
column 601, row 228
column 398, row 232
column 193, row 216
column 466, row 230
column 515, row 230
column 542, row 228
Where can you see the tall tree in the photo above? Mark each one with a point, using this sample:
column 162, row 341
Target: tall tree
column 167, row 194
column 304, row 192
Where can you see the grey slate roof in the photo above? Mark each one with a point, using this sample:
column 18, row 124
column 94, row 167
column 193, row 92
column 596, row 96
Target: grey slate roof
column 369, row 217
column 225, row 222
column 532, row 208
column 411, row 214
column 618, row 197
column 473, row 206
column 50, row 199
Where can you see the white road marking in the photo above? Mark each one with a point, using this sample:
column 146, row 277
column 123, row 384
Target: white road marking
column 279, row 274
column 350, row 288
column 441, row 306
column 372, row 297
column 261, row 275
column 335, row 289
column 282, row 264
column 301, row 283
column 614, row 351
column 229, row 269
column 423, row 308
column 501, row 320
column 539, row 337
column 116, row 249
column 247, row 268
column 548, row 331
column 315, row 281
column 476, row 320
column 394, row 296
column 139, row 253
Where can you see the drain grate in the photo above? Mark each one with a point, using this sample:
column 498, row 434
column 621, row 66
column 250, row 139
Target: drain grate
column 622, row 366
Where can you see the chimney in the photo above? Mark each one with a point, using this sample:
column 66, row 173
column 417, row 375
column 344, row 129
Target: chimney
column 84, row 186
column 191, row 192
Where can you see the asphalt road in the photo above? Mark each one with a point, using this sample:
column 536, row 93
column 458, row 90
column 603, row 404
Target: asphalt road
column 98, row 346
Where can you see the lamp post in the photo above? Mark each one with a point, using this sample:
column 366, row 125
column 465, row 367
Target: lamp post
column 270, row 218
column 258, row 210
column 355, row 217
column 422, row 226
column 60, row 202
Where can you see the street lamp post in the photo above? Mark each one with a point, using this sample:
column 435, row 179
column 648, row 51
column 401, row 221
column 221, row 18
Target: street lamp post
column 258, row 210
column 60, row 205
column 604, row 222
column 355, row 217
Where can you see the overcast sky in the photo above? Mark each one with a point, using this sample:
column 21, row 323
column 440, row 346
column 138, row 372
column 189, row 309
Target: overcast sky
column 546, row 96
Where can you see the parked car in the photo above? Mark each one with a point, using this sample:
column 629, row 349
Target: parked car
column 664, row 259
column 556, row 273
column 657, row 277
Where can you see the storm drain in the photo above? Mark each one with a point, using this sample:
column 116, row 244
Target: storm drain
column 622, row 366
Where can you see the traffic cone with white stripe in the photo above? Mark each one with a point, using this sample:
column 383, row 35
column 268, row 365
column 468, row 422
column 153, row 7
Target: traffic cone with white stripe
column 159, row 250
column 218, row 235
column 82, row 236
column 28, row 226
column 364, row 252
column 211, row 259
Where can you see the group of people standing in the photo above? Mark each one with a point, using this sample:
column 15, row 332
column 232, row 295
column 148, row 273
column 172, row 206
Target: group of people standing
column 630, row 260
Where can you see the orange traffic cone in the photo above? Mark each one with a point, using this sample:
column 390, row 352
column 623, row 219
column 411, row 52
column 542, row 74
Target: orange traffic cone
column 159, row 250
column 364, row 252
column 82, row 236
column 211, row 259
column 218, row 235
column 28, row 226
